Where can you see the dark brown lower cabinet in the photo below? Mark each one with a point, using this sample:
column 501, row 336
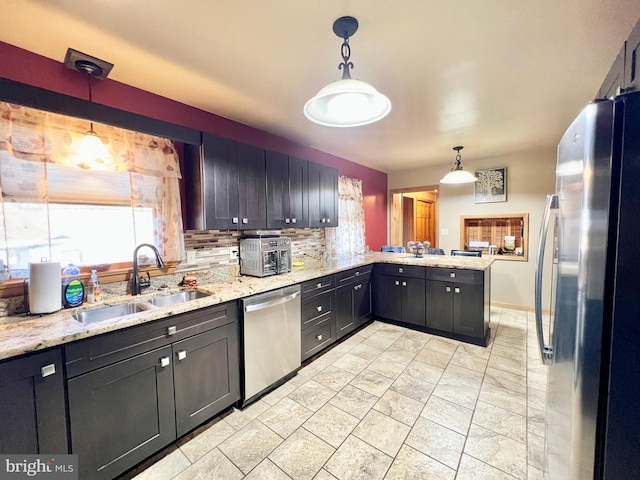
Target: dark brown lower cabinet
column 401, row 299
column 122, row 410
column 354, row 305
column 32, row 405
column 122, row 413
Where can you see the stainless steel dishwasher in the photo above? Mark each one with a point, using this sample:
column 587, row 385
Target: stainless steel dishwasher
column 271, row 340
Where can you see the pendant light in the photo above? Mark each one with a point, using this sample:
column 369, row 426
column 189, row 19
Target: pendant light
column 347, row 102
column 91, row 151
column 457, row 174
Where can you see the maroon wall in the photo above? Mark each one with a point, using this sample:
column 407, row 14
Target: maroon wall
column 27, row 67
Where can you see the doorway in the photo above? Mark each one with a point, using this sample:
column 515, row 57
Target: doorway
column 414, row 215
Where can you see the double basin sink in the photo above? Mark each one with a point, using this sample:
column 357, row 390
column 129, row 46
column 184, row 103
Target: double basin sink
column 116, row 311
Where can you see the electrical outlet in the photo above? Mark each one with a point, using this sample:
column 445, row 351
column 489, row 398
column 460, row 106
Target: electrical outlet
column 233, row 253
column 191, row 257
column 444, row 231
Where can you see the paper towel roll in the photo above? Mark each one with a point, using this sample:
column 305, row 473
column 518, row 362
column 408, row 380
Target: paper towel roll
column 45, row 287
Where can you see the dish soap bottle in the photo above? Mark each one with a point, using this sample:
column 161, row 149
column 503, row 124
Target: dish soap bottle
column 72, row 288
column 94, row 290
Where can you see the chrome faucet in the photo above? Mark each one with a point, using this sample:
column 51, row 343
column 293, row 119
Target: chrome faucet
column 137, row 284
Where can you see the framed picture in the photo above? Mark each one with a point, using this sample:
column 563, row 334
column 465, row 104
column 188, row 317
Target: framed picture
column 491, row 185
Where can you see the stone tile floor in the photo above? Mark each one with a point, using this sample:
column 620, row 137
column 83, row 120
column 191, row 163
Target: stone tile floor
column 387, row 403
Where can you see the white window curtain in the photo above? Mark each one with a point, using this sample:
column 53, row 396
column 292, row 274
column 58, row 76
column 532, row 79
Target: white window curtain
column 348, row 238
column 40, row 166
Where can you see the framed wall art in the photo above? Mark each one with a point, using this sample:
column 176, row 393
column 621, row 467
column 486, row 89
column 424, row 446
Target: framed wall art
column 491, row 185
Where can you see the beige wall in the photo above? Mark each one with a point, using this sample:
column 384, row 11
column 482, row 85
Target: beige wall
column 530, row 177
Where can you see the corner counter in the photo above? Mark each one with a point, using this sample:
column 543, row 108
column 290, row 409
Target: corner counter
column 23, row 334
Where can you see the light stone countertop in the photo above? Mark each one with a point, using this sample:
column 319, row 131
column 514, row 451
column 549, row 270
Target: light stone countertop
column 22, row 334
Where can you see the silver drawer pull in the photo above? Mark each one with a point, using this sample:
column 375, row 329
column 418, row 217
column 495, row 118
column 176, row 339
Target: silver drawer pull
column 397, row 282
column 319, row 308
column 182, row 354
column 234, row 220
column 357, row 273
column 165, row 362
column 457, row 290
column 319, row 285
column 172, row 330
column 447, row 289
column 48, row 370
column 319, row 337
column 404, row 284
column 400, row 270
column 452, row 275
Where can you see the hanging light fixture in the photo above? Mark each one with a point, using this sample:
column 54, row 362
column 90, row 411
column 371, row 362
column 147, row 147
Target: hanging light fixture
column 91, row 150
column 347, row 102
column 457, row 174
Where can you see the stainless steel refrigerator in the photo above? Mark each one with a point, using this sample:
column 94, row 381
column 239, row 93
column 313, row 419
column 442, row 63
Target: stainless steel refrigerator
column 592, row 343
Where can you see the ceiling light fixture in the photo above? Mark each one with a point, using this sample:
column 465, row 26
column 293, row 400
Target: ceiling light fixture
column 347, row 102
column 91, row 148
column 457, row 174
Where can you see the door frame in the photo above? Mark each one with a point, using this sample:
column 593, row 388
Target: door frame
column 396, row 212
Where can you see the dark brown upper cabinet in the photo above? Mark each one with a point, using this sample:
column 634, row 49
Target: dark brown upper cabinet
column 226, row 187
column 323, row 196
column 287, row 191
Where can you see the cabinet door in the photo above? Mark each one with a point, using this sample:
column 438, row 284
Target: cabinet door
column 345, row 318
column 413, row 301
column 122, row 413
column 32, row 406
column 298, row 192
column 363, row 301
column 632, row 61
column 387, row 297
column 323, row 196
column 251, row 187
column 278, row 208
column 468, row 310
column 206, row 376
column 220, row 179
column 439, row 305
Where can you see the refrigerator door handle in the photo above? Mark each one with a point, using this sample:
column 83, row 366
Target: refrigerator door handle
column 546, row 351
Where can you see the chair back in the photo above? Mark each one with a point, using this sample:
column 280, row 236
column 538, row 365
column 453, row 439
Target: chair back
column 393, row 248
column 466, row 253
column 435, row 251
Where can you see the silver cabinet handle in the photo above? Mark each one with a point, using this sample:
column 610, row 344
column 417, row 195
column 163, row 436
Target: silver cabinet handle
column 245, row 220
column 328, row 220
column 48, row 370
column 400, row 270
column 165, row 362
column 357, row 273
column 546, row 351
column 357, row 287
column 324, row 220
column 457, row 290
column 234, row 220
column 293, row 220
column 287, row 220
column 172, row 330
column 319, row 285
column 319, row 337
column 452, row 275
column 182, row 354
column 447, row 289
column 319, row 308
column 397, row 282
column 404, row 284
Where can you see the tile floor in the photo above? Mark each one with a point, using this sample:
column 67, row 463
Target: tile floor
column 387, row 403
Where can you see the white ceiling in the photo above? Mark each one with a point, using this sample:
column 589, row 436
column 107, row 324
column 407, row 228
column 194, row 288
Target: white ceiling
column 496, row 76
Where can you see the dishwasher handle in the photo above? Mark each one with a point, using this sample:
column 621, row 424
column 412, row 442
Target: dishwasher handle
column 252, row 307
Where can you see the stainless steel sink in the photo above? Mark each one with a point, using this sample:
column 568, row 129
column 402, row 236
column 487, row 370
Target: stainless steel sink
column 180, row 297
column 105, row 313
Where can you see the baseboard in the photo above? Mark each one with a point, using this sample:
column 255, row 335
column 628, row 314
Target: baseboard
column 514, row 306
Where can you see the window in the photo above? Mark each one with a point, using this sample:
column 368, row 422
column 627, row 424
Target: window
column 61, row 207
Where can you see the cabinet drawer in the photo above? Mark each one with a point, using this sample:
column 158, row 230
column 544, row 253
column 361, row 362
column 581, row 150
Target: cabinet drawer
column 317, row 285
column 411, row 271
column 317, row 338
column 97, row 352
column 352, row 275
column 456, row 275
column 315, row 308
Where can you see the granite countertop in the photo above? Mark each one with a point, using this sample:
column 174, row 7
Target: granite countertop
column 22, row 334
